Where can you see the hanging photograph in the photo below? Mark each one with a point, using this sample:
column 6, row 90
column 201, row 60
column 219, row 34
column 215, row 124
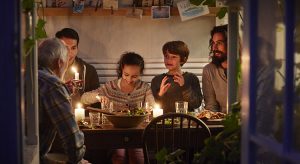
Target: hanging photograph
column 160, row 12
column 189, row 11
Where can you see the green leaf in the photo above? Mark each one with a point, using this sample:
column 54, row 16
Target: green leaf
column 28, row 5
column 225, row 146
column 160, row 155
column 39, row 29
column 28, row 45
column 175, row 156
column 210, row 3
column 205, row 2
column 222, row 12
column 196, row 2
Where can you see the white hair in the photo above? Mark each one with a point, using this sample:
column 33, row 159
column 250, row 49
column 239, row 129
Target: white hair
column 50, row 50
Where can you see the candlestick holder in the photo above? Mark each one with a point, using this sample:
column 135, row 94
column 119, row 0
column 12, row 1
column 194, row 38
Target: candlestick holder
column 76, row 86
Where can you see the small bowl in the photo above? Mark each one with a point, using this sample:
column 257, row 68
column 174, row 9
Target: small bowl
column 125, row 121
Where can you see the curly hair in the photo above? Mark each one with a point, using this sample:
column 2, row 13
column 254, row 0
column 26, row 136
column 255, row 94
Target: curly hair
column 218, row 29
column 130, row 58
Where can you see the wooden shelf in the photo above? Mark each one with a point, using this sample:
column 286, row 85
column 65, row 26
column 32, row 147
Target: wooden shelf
column 108, row 12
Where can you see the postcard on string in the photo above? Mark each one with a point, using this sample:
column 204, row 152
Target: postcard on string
column 189, row 11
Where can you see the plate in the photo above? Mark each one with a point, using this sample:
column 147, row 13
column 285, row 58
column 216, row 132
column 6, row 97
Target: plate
column 214, row 121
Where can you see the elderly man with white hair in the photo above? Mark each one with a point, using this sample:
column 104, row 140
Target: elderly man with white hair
column 55, row 114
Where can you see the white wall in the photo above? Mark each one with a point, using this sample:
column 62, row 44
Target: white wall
column 106, row 37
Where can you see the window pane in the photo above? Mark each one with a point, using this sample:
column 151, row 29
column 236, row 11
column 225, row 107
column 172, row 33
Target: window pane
column 296, row 134
column 266, row 119
column 279, row 79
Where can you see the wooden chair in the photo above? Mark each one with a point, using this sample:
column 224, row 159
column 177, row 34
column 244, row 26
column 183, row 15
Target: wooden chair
column 174, row 131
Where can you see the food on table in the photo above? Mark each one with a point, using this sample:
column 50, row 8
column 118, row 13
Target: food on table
column 137, row 112
column 207, row 114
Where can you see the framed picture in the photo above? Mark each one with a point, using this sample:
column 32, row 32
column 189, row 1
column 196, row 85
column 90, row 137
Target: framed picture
column 160, row 12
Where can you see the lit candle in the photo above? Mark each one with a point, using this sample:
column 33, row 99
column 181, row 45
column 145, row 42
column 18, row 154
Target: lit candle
column 157, row 111
column 76, row 73
column 79, row 113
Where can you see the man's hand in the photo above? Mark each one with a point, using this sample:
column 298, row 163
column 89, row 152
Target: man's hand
column 74, row 85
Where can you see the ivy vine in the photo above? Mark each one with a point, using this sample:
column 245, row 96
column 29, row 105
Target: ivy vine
column 28, row 7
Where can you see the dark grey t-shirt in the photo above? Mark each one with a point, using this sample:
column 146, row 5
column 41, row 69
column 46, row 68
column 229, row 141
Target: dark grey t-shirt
column 190, row 92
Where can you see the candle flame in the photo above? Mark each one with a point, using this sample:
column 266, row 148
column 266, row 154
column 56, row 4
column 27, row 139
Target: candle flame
column 79, row 105
column 156, row 106
column 74, row 69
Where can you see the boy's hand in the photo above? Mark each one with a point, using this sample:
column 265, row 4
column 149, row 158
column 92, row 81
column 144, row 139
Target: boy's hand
column 164, row 86
column 178, row 78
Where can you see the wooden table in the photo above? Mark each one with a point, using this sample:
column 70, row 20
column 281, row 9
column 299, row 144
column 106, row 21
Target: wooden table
column 101, row 140
column 109, row 137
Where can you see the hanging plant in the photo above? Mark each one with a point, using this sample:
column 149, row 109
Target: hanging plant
column 28, row 7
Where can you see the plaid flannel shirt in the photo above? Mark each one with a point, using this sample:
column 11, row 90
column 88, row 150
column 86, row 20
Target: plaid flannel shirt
column 56, row 117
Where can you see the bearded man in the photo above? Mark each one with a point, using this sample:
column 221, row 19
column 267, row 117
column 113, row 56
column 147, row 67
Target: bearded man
column 214, row 78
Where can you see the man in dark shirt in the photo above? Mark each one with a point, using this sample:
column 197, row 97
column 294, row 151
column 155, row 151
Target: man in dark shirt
column 87, row 73
column 55, row 114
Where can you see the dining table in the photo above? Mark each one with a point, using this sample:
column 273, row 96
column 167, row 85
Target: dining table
column 108, row 137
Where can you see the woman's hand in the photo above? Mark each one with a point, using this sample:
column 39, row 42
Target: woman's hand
column 178, row 78
column 103, row 100
column 164, row 86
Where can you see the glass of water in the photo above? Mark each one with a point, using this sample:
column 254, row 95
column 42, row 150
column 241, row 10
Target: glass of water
column 181, row 107
column 94, row 119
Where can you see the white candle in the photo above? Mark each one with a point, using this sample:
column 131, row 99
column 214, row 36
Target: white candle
column 76, row 76
column 76, row 73
column 79, row 113
column 157, row 111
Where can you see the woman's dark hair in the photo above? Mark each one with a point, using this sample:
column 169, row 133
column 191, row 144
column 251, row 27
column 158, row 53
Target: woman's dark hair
column 67, row 33
column 177, row 48
column 130, row 58
column 218, row 29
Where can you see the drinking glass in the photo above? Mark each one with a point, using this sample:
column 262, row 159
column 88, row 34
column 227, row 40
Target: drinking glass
column 111, row 106
column 94, row 119
column 181, row 107
column 148, row 110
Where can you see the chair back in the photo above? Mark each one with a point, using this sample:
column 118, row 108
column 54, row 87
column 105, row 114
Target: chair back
column 174, row 131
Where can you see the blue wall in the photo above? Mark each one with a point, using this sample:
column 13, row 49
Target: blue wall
column 10, row 83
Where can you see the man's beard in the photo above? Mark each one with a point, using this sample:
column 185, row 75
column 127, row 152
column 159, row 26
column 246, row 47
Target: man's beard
column 218, row 60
